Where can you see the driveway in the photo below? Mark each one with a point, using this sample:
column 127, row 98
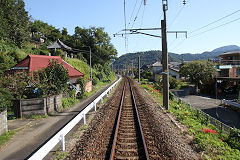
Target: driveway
column 212, row 107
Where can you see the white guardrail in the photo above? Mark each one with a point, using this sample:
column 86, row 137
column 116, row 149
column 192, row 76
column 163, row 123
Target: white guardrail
column 60, row 136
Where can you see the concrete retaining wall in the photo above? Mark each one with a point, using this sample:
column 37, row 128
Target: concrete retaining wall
column 185, row 91
column 37, row 106
column 3, row 122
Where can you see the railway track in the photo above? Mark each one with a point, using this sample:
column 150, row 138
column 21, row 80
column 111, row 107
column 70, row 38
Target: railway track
column 129, row 142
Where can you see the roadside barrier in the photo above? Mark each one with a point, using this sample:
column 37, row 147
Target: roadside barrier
column 60, row 136
column 220, row 125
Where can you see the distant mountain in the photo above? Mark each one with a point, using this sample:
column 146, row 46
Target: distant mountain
column 150, row 57
column 227, row 48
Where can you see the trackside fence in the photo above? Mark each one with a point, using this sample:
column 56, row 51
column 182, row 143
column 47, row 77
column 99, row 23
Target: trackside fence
column 207, row 118
column 60, row 136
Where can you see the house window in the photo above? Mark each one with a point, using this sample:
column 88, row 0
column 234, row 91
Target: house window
column 238, row 71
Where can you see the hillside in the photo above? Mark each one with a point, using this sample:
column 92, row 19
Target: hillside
column 150, row 57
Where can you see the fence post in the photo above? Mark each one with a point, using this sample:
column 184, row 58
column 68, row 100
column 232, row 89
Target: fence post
column 84, row 118
column 95, row 106
column 62, row 142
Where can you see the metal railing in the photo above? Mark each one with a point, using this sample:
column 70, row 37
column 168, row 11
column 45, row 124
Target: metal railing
column 219, row 125
column 60, row 136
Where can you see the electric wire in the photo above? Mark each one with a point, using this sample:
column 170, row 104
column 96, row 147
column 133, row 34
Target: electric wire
column 132, row 13
column 137, row 14
column 178, row 13
column 215, row 28
column 214, row 21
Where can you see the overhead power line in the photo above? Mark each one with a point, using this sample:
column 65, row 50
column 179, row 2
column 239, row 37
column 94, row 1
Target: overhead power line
column 215, row 27
column 214, row 21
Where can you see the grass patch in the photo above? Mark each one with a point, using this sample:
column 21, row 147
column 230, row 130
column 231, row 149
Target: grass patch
column 84, row 127
column 7, row 136
column 61, row 155
column 36, row 116
column 68, row 102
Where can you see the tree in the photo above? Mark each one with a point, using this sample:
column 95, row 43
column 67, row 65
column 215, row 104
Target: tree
column 198, row 72
column 99, row 41
column 53, row 79
column 14, row 22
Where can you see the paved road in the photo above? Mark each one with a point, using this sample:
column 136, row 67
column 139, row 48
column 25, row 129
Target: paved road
column 36, row 132
column 211, row 107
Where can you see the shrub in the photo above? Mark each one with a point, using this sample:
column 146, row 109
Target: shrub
column 82, row 81
column 53, row 79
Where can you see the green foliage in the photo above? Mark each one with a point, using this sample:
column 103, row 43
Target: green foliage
column 146, row 75
column 5, row 95
column 233, row 139
column 14, row 22
column 199, row 72
column 6, row 136
column 80, row 65
column 68, row 102
column 173, row 82
column 18, row 84
column 53, row 79
column 97, row 40
column 215, row 145
column 82, row 81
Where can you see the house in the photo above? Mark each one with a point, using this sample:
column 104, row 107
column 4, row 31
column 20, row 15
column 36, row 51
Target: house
column 174, row 68
column 34, row 63
column 228, row 73
column 229, row 65
column 60, row 45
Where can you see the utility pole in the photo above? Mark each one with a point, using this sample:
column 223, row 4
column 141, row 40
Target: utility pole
column 165, row 73
column 138, row 68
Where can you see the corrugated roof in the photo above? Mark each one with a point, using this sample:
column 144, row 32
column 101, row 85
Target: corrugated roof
column 39, row 62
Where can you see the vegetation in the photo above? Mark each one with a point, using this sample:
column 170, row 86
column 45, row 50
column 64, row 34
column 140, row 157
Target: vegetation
column 68, row 102
column 6, row 136
column 53, row 79
column 201, row 73
column 212, row 142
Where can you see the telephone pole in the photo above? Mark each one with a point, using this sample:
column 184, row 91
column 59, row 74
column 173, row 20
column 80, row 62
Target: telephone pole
column 165, row 73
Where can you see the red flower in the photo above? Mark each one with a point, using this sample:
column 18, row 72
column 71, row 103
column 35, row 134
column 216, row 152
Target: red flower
column 150, row 86
column 208, row 130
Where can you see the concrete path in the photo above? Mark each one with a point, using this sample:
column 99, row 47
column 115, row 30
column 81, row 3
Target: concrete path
column 212, row 107
column 35, row 132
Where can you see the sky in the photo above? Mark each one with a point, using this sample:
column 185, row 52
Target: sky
column 192, row 17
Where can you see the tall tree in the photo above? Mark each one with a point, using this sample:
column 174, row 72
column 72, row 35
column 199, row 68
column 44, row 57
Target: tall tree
column 199, row 72
column 99, row 41
column 14, row 21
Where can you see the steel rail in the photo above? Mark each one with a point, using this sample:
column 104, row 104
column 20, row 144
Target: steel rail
column 139, row 122
column 118, row 123
column 117, row 126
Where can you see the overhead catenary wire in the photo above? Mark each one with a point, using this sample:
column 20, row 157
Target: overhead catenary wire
column 215, row 21
column 215, row 27
column 137, row 13
column 132, row 13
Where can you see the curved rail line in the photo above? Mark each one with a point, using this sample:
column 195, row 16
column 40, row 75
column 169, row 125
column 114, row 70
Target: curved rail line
column 129, row 142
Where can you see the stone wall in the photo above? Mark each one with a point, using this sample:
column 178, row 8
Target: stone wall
column 3, row 122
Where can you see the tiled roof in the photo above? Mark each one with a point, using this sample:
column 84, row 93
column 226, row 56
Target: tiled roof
column 39, row 62
column 59, row 44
